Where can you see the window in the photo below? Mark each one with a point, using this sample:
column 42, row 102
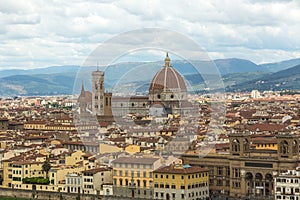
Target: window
column 227, row 171
column 138, row 183
column 220, row 170
column 219, row 182
column 227, row 183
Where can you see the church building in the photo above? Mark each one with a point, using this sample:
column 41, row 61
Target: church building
column 167, row 95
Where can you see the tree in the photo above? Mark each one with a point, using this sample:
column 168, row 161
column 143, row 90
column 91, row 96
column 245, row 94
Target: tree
column 46, row 166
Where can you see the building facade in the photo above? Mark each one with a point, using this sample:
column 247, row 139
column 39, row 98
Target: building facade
column 287, row 185
column 245, row 172
column 133, row 176
column 181, row 182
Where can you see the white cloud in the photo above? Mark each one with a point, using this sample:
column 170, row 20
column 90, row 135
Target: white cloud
column 40, row 33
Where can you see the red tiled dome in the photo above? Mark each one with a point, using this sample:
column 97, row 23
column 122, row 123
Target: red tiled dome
column 168, row 78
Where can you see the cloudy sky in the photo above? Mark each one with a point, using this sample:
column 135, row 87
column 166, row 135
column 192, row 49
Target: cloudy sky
column 40, row 33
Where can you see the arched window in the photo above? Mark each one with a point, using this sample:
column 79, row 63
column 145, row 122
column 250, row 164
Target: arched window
column 295, row 147
column 235, row 145
column 284, row 147
column 269, row 177
column 249, row 176
column 246, row 145
column 258, row 176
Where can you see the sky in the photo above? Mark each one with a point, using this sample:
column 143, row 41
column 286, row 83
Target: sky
column 41, row 33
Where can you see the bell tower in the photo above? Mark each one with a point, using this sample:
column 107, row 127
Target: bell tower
column 98, row 92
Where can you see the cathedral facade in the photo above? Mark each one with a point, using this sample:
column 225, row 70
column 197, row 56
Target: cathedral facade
column 167, row 95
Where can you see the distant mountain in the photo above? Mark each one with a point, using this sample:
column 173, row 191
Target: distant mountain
column 288, row 79
column 234, row 65
column 47, row 70
column 238, row 78
column 237, row 74
column 39, row 84
column 278, row 66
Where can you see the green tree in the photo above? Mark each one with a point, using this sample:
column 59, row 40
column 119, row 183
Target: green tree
column 46, row 167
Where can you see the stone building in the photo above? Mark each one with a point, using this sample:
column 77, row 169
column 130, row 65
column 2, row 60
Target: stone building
column 245, row 171
column 101, row 100
column 167, row 95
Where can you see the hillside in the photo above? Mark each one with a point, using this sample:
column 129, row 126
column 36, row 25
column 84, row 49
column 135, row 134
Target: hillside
column 39, row 84
column 278, row 66
column 288, row 79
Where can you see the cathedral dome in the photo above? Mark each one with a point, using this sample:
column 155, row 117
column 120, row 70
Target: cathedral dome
column 167, row 79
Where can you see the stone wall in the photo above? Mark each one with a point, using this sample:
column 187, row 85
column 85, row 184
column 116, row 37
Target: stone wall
column 43, row 195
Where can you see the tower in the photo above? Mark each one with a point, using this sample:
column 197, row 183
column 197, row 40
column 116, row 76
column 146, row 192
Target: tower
column 98, row 92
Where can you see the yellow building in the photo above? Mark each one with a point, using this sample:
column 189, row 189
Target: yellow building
column 107, row 148
column 16, row 171
column 132, row 149
column 181, row 182
column 74, row 158
column 265, row 143
column 133, row 176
